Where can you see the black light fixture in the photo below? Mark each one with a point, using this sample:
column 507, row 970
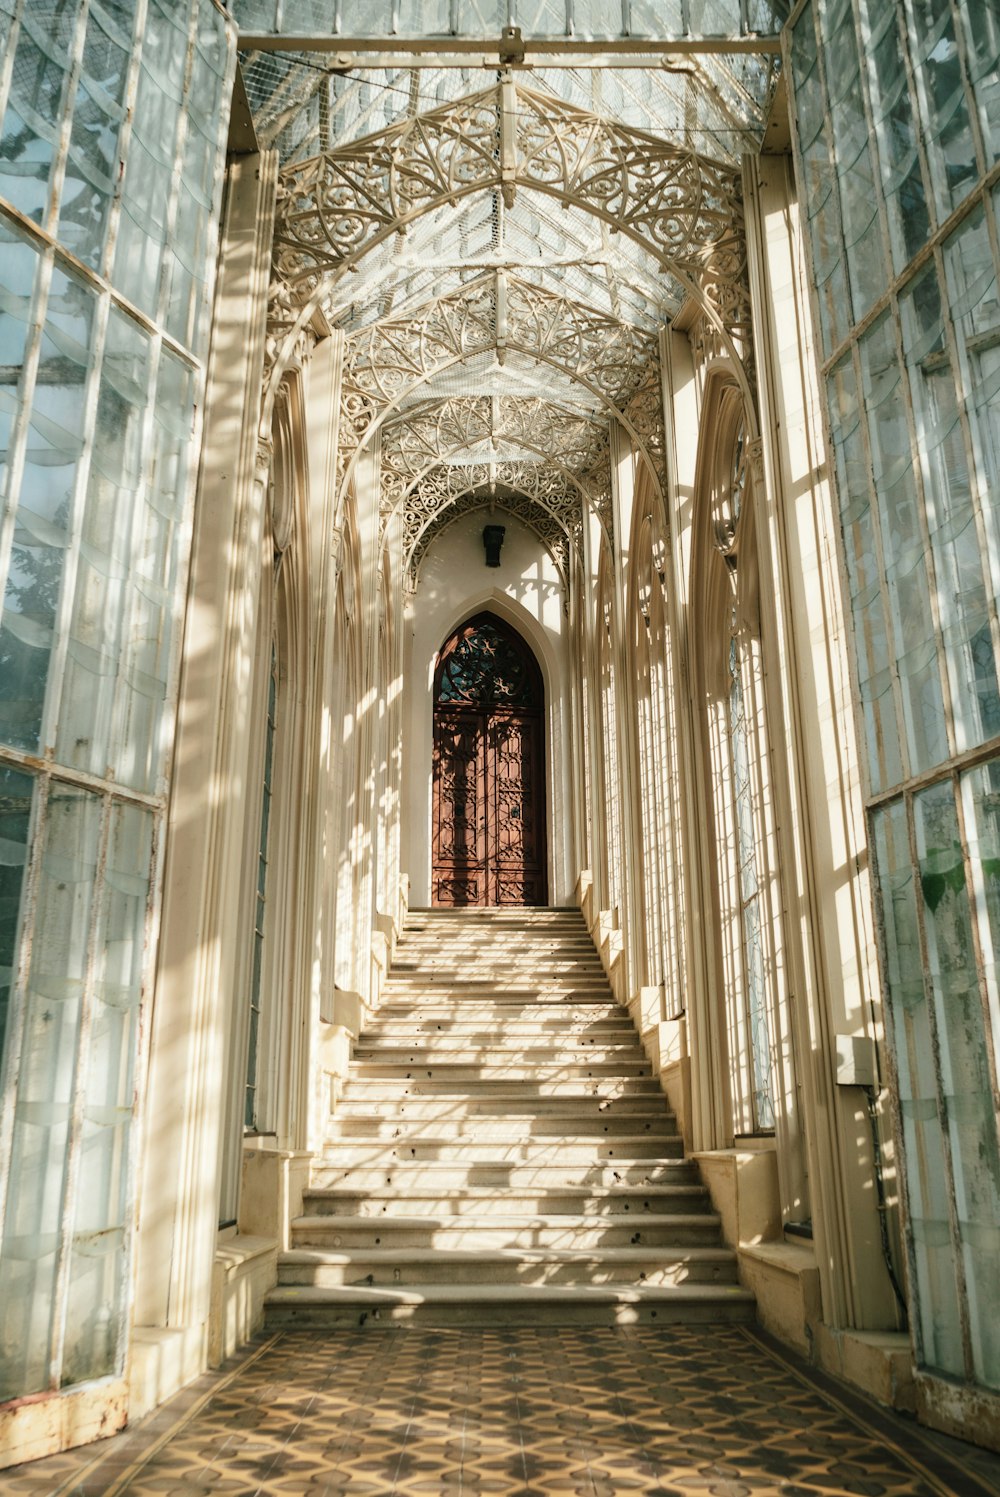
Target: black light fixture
column 492, row 541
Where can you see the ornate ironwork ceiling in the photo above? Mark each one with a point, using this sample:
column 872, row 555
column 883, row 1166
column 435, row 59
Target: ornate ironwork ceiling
column 502, row 256
column 502, row 449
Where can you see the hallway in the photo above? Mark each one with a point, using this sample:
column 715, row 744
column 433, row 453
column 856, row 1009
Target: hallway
column 499, row 743
column 687, row 1412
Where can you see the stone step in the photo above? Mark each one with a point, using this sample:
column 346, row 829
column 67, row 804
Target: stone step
column 498, row 1306
column 455, row 1052
column 570, row 1149
column 432, row 950
column 532, row 1230
column 501, row 1153
column 510, row 1106
column 487, row 1013
column 440, row 1125
column 533, row 915
column 533, row 973
column 358, row 1086
column 551, row 936
column 414, row 1028
column 498, row 1070
column 435, row 948
column 389, row 1202
column 440, row 1175
column 390, row 1267
column 516, row 972
column 575, row 992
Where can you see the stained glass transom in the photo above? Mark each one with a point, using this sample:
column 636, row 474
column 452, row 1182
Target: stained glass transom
column 487, row 668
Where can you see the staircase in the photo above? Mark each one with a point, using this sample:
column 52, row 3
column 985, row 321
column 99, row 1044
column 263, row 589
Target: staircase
column 502, row 1154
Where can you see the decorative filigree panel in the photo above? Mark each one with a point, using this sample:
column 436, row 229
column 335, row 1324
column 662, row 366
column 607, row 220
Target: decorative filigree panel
column 449, row 493
column 685, row 208
column 438, row 429
column 499, row 314
column 644, row 413
column 502, row 313
column 484, row 669
column 426, row 466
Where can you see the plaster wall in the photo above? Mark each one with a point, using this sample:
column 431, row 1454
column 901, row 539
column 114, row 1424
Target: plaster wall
column 527, row 591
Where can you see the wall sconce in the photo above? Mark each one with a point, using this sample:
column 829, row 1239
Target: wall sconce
column 492, row 541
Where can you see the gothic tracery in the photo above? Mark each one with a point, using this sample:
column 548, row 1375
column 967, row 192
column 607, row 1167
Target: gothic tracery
column 459, row 175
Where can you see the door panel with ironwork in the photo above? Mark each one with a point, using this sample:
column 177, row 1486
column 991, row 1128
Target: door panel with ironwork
column 459, row 845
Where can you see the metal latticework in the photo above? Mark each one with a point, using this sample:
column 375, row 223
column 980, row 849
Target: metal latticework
column 501, row 242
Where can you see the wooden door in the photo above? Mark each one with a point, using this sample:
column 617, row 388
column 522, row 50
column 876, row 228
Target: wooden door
column 489, row 769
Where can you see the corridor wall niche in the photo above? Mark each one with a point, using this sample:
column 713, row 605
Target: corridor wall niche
column 489, row 845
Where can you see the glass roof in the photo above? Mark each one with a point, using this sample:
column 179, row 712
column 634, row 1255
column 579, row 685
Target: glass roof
column 566, row 251
column 321, row 73
column 716, row 105
column 469, row 429
column 664, row 20
column 324, row 75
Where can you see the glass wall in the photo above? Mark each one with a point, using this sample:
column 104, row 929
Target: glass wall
column 112, row 133
column 897, row 126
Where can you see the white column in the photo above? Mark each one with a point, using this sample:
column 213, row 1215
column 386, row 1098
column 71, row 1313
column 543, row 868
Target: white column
column 323, row 819
column 832, row 974
column 681, row 420
column 192, row 1011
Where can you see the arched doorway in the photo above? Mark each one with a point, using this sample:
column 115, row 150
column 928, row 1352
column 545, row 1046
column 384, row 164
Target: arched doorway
column 489, row 769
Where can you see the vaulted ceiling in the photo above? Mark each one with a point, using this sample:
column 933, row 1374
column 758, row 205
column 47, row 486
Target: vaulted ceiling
column 500, row 205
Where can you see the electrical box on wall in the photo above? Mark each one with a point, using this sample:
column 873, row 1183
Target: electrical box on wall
column 855, row 1060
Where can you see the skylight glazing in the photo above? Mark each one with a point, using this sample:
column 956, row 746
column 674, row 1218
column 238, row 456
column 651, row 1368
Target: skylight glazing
column 634, row 20
column 572, row 181
column 307, row 102
column 566, row 251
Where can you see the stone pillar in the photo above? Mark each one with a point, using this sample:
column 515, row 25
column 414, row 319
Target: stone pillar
column 832, row 975
column 192, row 1010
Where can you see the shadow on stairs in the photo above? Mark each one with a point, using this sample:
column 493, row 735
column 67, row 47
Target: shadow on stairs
column 502, row 1154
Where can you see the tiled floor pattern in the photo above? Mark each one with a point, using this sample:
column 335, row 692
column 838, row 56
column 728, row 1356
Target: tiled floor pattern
column 681, row 1412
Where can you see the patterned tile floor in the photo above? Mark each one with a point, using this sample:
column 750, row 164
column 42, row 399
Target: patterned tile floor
column 681, row 1412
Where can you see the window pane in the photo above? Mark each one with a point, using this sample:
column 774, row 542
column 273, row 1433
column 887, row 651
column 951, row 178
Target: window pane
column 920, row 1106
column 895, row 130
column 974, row 307
column 92, row 162
column 980, row 21
column 903, row 547
column 875, row 676
column 20, row 266
column 15, row 818
column 820, row 197
column 104, row 562
column 44, row 520
column 137, row 740
column 49, row 1038
column 853, row 158
column 149, row 174
column 943, row 102
column 957, row 553
column 966, row 1090
column 29, row 140
column 97, row 1283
